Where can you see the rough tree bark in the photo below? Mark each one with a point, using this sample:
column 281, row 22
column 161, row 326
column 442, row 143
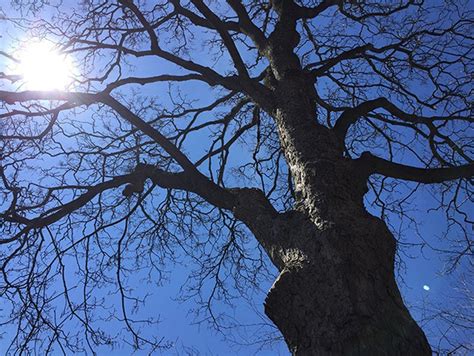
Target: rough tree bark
column 336, row 292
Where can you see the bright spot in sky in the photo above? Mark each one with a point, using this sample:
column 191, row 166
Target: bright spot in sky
column 426, row 287
column 42, row 67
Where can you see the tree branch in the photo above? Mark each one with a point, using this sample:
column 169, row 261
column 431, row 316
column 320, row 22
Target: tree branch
column 377, row 165
column 149, row 29
column 312, row 12
column 247, row 26
column 350, row 116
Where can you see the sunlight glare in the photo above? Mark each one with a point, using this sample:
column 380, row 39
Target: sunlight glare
column 42, row 67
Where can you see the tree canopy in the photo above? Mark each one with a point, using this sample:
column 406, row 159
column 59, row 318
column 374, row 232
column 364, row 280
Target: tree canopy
column 188, row 128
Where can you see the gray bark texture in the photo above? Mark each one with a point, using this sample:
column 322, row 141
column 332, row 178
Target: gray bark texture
column 336, row 293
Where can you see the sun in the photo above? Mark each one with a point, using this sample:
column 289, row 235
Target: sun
column 42, row 67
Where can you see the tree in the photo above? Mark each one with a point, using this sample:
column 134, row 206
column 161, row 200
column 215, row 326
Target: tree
column 454, row 319
column 332, row 101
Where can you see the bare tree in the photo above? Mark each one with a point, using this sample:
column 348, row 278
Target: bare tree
column 452, row 322
column 314, row 104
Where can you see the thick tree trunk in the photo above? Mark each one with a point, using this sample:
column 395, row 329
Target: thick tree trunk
column 336, row 293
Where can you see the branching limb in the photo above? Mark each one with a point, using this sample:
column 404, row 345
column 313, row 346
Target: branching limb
column 377, row 165
column 350, row 116
column 247, row 26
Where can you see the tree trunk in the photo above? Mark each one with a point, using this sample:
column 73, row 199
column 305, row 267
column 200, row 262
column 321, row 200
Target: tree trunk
column 336, row 293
